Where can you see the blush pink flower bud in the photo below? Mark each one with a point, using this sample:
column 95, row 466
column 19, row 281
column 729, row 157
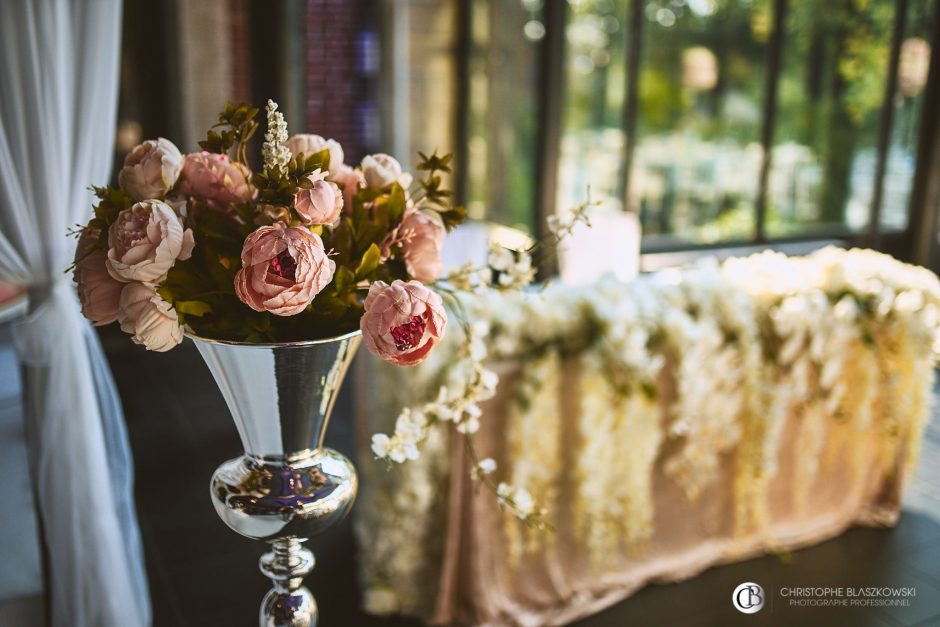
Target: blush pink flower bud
column 351, row 180
column 145, row 241
column 402, row 321
column 310, row 144
column 150, row 320
column 381, row 171
column 215, row 179
column 151, row 169
column 422, row 238
column 283, row 269
column 320, row 204
column 98, row 292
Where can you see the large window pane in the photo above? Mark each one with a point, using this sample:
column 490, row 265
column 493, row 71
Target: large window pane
column 592, row 139
column 701, row 86
column 831, row 92
column 913, row 66
column 504, row 71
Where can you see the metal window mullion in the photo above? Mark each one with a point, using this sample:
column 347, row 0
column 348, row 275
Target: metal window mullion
column 925, row 194
column 634, row 47
column 774, row 62
column 886, row 122
column 551, row 98
column 464, row 47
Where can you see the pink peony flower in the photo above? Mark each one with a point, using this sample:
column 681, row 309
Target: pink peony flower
column 351, row 180
column 422, row 238
column 215, row 179
column 151, row 169
column 322, row 203
column 98, row 292
column 145, row 241
column 402, row 321
column 283, row 269
column 312, row 144
column 150, row 320
column 381, row 170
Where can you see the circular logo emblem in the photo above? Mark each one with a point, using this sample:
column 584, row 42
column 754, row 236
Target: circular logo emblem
column 748, row 598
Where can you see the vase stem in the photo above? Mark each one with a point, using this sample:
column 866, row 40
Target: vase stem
column 288, row 603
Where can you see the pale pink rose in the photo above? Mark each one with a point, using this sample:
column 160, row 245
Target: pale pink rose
column 381, row 170
column 309, row 144
column 215, row 179
column 98, row 292
column 150, row 320
column 351, row 180
column 151, row 169
column 145, row 241
column 283, row 269
column 402, row 321
column 320, row 204
column 422, row 238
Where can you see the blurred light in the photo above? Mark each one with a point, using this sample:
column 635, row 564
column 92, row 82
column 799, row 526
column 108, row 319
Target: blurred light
column 665, row 17
column 600, row 58
column 702, row 7
column 583, row 64
column 128, row 136
column 534, row 30
column 699, row 69
column 611, row 24
column 913, row 66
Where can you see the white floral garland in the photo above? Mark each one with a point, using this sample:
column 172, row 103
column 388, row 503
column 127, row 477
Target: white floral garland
column 748, row 344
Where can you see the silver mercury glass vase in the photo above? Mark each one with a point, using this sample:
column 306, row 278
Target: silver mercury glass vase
column 286, row 487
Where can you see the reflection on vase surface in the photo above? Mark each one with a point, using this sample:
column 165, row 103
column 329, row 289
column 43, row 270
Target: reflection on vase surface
column 286, row 487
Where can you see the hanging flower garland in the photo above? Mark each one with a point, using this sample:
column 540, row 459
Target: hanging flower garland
column 842, row 342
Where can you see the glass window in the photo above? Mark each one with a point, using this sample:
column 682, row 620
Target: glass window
column 831, row 93
column 698, row 153
column 913, row 66
column 503, row 102
column 592, row 138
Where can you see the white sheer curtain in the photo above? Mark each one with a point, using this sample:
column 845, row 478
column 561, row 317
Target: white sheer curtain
column 58, row 95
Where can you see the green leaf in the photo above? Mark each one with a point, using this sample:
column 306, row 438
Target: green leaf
column 196, row 308
column 329, row 306
column 434, row 162
column 397, row 203
column 369, row 262
column 344, row 279
column 453, row 217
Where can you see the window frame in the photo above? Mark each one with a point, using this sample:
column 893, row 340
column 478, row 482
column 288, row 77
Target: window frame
column 917, row 242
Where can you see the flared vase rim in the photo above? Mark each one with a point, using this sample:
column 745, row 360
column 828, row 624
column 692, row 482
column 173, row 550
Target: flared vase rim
column 269, row 345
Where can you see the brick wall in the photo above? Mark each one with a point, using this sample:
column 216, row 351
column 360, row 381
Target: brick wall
column 342, row 59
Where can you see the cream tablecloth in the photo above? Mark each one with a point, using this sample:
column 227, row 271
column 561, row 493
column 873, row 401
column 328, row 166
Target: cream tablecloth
column 632, row 500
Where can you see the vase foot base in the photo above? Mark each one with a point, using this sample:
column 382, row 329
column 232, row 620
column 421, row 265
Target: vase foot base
column 294, row 609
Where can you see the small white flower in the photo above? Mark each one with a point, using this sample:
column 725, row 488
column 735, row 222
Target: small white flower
column 380, row 444
column 471, row 420
column 503, row 490
column 554, row 224
column 487, row 466
column 525, row 505
column 276, row 154
column 501, row 258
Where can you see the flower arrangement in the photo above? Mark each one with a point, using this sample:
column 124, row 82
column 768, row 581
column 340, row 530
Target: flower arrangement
column 308, row 247
column 282, row 254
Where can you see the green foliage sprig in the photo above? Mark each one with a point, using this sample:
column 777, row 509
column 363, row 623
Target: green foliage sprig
column 235, row 127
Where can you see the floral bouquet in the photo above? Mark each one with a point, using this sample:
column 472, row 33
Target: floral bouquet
column 308, row 247
column 284, row 254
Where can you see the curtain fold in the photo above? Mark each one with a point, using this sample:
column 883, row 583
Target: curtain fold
column 58, row 99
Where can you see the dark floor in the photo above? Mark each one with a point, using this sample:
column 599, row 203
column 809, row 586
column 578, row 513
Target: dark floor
column 203, row 574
